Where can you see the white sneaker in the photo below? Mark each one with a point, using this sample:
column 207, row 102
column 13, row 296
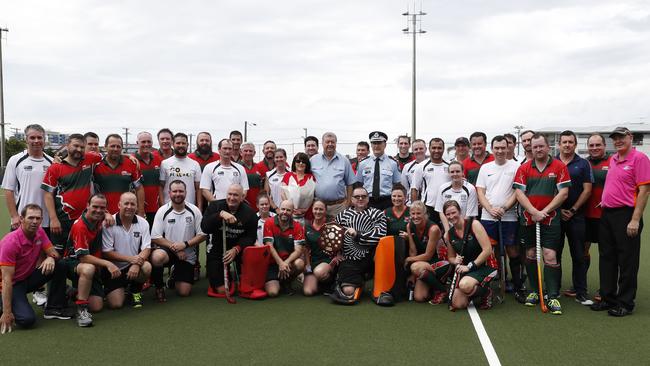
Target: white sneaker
column 84, row 318
column 39, row 298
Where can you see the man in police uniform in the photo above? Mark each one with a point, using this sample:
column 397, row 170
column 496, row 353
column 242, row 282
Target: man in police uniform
column 378, row 172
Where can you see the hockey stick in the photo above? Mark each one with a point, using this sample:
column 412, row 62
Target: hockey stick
column 454, row 280
column 540, row 282
column 502, row 263
column 229, row 298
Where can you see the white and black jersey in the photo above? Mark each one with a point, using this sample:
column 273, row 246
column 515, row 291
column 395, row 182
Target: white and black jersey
column 408, row 173
column 131, row 241
column 178, row 226
column 465, row 196
column 370, row 225
column 24, row 175
column 428, row 177
column 275, row 182
column 217, row 178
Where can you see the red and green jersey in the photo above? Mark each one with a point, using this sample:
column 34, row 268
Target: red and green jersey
column 203, row 162
column 599, row 167
column 254, row 184
column 403, row 161
column 395, row 223
column 150, row 181
column 113, row 181
column 159, row 153
column 70, row 185
column 283, row 240
column 471, row 167
column 85, row 239
column 541, row 186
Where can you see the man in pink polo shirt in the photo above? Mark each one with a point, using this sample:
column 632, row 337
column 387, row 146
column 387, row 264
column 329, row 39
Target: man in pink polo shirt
column 624, row 198
column 23, row 271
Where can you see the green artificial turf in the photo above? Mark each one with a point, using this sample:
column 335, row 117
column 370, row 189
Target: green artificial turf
column 295, row 329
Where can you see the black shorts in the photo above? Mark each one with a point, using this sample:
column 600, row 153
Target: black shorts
column 112, row 284
column 354, row 272
column 593, row 227
column 434, row 216
column 183, row 270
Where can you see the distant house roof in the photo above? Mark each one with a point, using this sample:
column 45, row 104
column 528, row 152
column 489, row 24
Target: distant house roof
column 639, row 127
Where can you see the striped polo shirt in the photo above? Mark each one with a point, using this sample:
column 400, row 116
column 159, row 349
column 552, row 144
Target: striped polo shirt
column 471, row 167
column 541, row 186
column 283, row 241
column 113, row 181
column 70, row 185
column 150, row 181
column 599, row 167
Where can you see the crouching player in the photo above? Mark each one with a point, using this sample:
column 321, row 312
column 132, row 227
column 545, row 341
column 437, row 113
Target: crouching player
column 286, row 238
column 20, row 252
column 127, row 244
column 470, row 250
column 176, row 230
column 365, row 226
column 319, row 269
column 84, row 260
column 430, row 272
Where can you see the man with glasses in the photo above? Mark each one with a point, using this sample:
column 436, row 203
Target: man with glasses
column 379, row 172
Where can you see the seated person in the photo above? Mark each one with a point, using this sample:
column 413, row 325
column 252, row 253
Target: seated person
column 319, row 269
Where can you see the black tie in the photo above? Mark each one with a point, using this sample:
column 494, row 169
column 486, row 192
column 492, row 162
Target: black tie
column 375, row 181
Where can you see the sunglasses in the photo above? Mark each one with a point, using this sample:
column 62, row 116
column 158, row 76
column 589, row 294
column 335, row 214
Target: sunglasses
column 360, row 197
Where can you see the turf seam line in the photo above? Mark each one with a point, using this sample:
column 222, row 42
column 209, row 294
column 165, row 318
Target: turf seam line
column 488, row 349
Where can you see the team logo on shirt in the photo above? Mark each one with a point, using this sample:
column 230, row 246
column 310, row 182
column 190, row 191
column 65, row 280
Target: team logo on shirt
column 220, row 173
column 605, row 168
column 551, row 175
column 38, row 242
column 235, row 174
column 136, row 234
column 627, row 167
column 188, row 219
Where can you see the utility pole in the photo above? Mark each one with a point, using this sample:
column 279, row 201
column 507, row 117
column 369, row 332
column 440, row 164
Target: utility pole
column 305, row 132
column 3, row 151
column 413, row 20
column 16, row 131
column 518, row 128
column 126, row 136
column 246, row 124
column 190, row 145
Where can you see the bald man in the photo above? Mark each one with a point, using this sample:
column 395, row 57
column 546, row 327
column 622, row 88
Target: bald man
column 240, row 221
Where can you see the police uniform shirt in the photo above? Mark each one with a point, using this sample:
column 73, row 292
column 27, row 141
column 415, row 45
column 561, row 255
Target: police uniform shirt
column 428, row 177
column 178, row 226
column 217, row 178
column 117, row 238
column 389, row 174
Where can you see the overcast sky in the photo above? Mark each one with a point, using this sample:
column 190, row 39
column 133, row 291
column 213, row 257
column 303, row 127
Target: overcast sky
column 345, row 66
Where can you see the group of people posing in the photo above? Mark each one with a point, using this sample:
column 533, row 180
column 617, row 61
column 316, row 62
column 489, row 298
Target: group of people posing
column 110, row 223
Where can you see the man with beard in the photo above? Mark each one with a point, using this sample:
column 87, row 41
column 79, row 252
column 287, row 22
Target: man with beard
column 525, row 138
column 428, row 176
column 165, row 137
column 268, row 163
column 364, row 227
column 334, row 176
column 403, row 156
column 176, row 230
column 311, row 145
column 286, row 238
column 363, row 149
column 241, row 232
column 480, row 156
column 419, row 152
column 115, row 175
column 67, row 188
column 253, row 176
column 182, row 168
column 203, row 153
column 92, row 142
column 236, row 138
column 218, row 176
column 150, row 169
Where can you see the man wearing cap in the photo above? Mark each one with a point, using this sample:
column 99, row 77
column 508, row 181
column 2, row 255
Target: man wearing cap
column 419, row 152
column 334, row 175
column 624, row 198
column 462, row 149
column 379, row 172
column 403, row 155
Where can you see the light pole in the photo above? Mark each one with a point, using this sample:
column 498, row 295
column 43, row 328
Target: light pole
column 2, row 108
column 246, row 123
column 413, row 20
column 518, row 128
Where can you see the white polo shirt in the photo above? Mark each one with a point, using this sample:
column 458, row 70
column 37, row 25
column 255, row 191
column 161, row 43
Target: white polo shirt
column 428, row 177
column 217, row 178
column 178, row 226
column 497, row 181
column 129, row 242
column 275, row 181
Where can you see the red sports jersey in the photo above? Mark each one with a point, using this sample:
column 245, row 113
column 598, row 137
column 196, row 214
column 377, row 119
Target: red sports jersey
column 254, row 184
column 283, row 241
column 70, row 185
column 85, row 239
column 159, row 154
column 150, row 181
column 471, row 167
column 541, row 187
column 203, row 162
column 599, row 167
column 262, row 168
column 112, row 182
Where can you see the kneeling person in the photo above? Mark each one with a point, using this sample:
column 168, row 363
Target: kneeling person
column 286, row 238
column 176, row 230
column 127, row 244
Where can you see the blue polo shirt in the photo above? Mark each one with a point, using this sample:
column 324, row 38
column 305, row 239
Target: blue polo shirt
column 333, row 176
column 580, row 172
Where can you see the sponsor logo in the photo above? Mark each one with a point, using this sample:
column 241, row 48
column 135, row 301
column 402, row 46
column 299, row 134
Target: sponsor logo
column 627, row 167
column 136, row 234
column 171, row 221
column 220, row 173
column 551, row 175
column 29, row 168
column 124, row 172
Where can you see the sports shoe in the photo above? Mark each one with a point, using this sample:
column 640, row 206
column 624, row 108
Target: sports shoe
column 171, row 282
column 532, row 299
column 584, row 300
column 486, row 301
column 57, row 313
column 39, row 297
column 137, row 300
column 554, row 306
column 602, row 306
column 84, row 318
column 597, row 297
column 520, row 296
column 570, row 292
column 619, row 311
column 438, row 298
column 160, row 295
